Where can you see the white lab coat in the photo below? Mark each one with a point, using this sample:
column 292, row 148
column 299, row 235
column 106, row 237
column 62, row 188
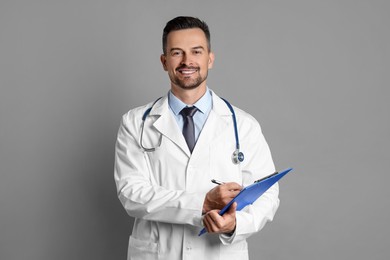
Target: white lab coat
column 164, row 190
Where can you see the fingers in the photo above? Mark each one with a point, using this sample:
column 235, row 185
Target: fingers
column 232, row 186
column 228, row 191
column 207, row 223
column 210, row 221
column 220, row 195
column 232, row 209
column 215, row 223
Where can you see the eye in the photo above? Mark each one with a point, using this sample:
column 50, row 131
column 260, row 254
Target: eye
column 177, row 53
column 197, row 52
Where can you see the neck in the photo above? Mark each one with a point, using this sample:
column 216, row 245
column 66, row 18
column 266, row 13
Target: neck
column 189, row 96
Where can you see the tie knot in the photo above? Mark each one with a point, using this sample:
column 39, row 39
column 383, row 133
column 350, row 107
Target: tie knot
column 188, row 111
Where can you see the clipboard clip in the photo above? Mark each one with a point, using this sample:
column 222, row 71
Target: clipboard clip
column 266, row 177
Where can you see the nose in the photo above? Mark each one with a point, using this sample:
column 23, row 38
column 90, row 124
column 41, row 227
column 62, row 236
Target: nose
column 186, row 60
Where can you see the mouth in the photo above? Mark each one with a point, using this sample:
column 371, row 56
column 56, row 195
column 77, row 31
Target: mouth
column 186, row 71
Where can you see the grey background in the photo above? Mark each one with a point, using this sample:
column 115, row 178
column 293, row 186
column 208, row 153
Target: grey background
column 314, row 73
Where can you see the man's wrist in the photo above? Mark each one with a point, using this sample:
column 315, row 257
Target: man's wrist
column 231, row 232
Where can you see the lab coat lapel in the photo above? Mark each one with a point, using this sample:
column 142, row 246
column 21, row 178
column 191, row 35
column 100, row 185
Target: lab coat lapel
column 217, row 122
column 167, row 125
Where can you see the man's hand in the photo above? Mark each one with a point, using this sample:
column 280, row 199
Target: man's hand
column 214, row 223
column 221, row 195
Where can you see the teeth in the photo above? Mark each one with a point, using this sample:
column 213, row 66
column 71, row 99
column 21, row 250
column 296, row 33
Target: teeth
column 187, row 71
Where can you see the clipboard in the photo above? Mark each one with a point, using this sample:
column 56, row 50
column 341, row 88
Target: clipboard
column 251, row 193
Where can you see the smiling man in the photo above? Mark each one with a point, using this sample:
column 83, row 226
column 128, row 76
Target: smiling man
column 168, row 151
column 187, row 58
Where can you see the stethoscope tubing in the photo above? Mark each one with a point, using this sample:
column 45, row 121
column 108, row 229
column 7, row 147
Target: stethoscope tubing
column 237, row 156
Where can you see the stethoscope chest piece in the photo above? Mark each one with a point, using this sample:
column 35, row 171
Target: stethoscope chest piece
column 237, row 157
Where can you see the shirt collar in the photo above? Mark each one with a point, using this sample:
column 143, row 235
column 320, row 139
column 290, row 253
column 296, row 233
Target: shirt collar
column 204, row 104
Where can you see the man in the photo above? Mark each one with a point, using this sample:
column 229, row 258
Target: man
column 168, row 151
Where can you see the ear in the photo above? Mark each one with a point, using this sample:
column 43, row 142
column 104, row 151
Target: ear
column 163, row 60
column 211, row 59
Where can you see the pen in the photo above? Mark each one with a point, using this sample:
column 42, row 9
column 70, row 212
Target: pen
column 217, row 182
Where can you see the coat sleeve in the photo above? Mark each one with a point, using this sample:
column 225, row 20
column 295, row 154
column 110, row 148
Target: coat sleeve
column 142, row 199
column 259, row 164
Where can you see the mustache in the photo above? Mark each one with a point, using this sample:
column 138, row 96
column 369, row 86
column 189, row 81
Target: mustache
column 187, row 67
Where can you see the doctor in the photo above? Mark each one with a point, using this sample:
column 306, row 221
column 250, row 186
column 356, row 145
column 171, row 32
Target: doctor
column 165, row 159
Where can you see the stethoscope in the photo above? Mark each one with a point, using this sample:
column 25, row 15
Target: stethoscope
column 237, row 156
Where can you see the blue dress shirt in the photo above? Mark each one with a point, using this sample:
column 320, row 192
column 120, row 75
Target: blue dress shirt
column 204, row 105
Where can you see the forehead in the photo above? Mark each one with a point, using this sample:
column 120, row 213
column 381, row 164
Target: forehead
column 187, row 38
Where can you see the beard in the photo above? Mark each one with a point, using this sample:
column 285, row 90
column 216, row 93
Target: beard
column 188, row 82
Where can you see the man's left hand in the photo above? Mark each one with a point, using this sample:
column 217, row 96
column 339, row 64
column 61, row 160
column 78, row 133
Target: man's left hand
column 215, row 223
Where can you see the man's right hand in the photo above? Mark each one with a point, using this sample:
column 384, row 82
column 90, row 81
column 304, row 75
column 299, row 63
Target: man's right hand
column 221, row 195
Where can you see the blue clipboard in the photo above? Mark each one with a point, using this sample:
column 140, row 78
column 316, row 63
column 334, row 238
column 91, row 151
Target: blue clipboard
column 251, row 193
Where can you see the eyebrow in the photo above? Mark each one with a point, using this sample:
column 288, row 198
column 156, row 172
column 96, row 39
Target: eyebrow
column 175, row 49
column 198, row 47
column 193, row 48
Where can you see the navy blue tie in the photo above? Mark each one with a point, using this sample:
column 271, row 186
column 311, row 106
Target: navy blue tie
column 188, row 127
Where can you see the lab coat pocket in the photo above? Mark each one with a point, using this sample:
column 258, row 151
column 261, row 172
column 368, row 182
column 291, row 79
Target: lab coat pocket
column 222, row 166
column 139, row 249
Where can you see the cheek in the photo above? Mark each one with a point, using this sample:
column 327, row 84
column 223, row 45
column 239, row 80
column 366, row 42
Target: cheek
column 172, row 65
